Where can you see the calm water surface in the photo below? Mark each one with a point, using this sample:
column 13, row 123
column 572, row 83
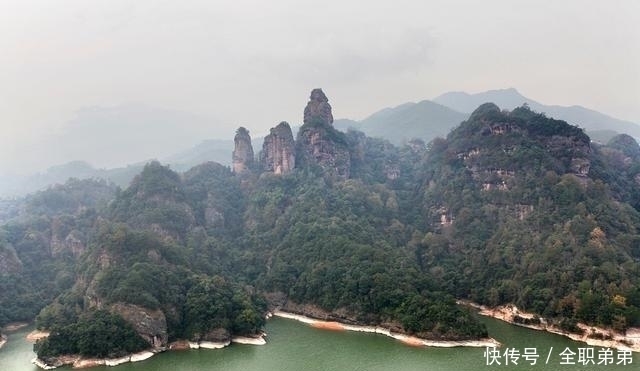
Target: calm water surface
column 293, row 346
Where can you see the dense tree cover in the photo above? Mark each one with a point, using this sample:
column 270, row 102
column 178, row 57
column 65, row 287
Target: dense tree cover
column 96, row 334
column 45, row 270
column 215, row 197
column 343, row 247
column 70, row 197
column 213, row 303
column 625, row 144
column 530, row 229
column 512, row 207
column 128, row 266
column 155, row 200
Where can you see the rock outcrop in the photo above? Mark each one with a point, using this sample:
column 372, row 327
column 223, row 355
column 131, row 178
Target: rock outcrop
column 278, row 151
column 319, row 143
column 72, row 244
column 219, row 335
column 9, row 261
column 243, row 151
column 318, row 109
column 151, row 325
column 625, row 144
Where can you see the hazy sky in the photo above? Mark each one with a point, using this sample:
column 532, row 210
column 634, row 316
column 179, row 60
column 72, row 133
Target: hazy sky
column 255, row 62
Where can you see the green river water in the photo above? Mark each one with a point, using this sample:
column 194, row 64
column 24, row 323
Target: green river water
column 293, row 346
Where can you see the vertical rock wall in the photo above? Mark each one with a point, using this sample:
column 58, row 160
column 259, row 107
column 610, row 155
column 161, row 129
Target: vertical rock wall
column 278, row 150
column 243, row 151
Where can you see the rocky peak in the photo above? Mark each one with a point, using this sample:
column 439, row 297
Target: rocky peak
column 243, row 151
column 484, row 111
column 319, row 142
column 497, row 146
column 417, row 145
column 625, row 144
column 318, row 110
column 278, row 150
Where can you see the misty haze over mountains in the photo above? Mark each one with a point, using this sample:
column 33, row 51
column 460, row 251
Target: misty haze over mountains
column 509, row 99
column 114, row 143
column 110, row 137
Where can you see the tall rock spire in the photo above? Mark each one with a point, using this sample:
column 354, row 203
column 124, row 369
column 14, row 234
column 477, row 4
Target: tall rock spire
column 243, row 151
column 278, row 150
column 319, row 142
column 318, row 110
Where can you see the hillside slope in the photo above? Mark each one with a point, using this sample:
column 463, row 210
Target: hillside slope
column 529, row 212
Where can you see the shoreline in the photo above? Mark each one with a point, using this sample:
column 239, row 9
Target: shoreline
column 507, row 313
column 11, row 327
column 36, row 335
column 77, row 361
column 14, row 326
column 406, row 339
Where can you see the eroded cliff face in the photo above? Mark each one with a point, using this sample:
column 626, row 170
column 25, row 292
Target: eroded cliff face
column 63, row 242
column 156, row 201
column 151, row 325
column 318, row 142
column 503, row 152
column 498, row 146
column 9, row 261
column 278, row 151
column 243, row 151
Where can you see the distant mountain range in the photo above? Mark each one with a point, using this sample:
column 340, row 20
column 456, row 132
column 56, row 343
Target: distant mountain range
column 430, row 119
column 216, row 150
column 425, row 120
column 588, row 119
column 116, row 136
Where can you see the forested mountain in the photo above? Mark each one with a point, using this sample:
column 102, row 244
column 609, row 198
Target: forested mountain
column 512, row 207
column 531, row 213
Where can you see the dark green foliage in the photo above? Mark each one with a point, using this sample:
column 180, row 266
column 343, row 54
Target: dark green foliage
column 534, row 321
column 343, row 247
column 625, row 144
column 155, row 200
column 213, row 303
column 486, row 111
column 68, row 198
column 529, row 227
column 436, row 316
column 145, row 271
column 97, row 334
column 213, row 193
column 58, row 212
